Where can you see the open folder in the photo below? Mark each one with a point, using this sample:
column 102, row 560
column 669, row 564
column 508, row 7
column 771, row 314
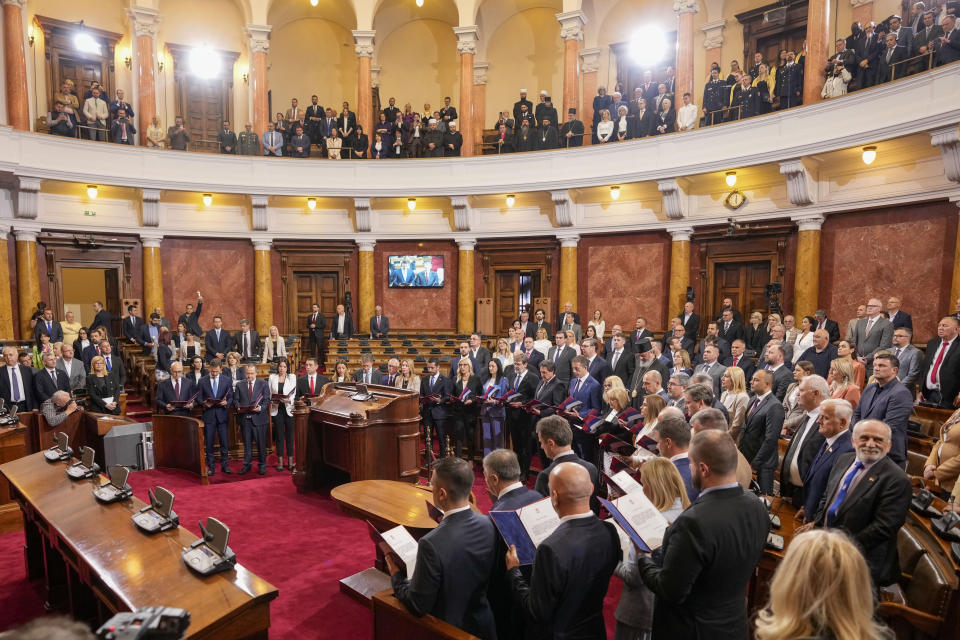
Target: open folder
column 637, row 516
column 621, row 483
column 527, row 527
column 397, row 541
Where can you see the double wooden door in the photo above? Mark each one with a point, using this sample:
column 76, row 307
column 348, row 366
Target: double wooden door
column 322, row 287
column 771, row 46
column 82, row 72
column 744, row 283
column 204, row 106
column 514, row 292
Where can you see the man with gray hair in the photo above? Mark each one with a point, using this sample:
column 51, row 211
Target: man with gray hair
column 834, row 426
column 830, row 326
column 58, row 408
column 713, row 400
column 72, row 367
column 501, row 472
column 393, row 369
column 779, row 333
column 806, row 441
column 49, row 379
column 367, row 374
column 873, row 333
column 675, row 387
column 714, row 419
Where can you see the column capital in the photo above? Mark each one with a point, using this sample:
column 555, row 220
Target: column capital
column 145, row 20
column 948, row 139
column 569, row 241
column 462, row 213
column 25, row 234
column 259, row 36
column 150, row 207
column 363, row 42
column 480, row 70
column 467, row 38
column 262, row 244
column 571, row 24
column 366, row 244
column 685, row 6
column 680, row 234
column 713, row 33
column 590, row 60
column 674, row 197
column 809, row 222
column 466, row 244
column 151, row 240
column 375, row 75
column 16, row 3
column 28, row 197
column 859, row 3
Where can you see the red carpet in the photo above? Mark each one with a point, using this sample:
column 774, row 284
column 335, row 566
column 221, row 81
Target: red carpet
column 302, row 544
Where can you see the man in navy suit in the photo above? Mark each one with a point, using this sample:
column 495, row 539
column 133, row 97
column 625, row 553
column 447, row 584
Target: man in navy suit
column 434, row 413
column 49, row 380
column 379, row 323
column 834, row 420
column 132, row 324
column 502, row 473
column 674, row 444
column 218, row 342
column 583, row 387
column 622, row 361
column 403, row 276
column 103, row 318
column 534, row 357
column 728, row 328
column 898, row 317
column 525, row 382
column 255, row 394
column 175, row 389
column 761, row 430
column 888, row 400
column 737, row 359
column 948, row 45
column 828, row 325
column 49, row 326
column 216, row 393
column 598, row 368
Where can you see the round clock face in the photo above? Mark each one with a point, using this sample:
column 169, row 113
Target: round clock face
column 735, row 199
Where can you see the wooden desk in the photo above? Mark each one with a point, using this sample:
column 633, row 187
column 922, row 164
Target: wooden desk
column 95, row 562
column 178, row 444
column 12, row 446
column 392, row 621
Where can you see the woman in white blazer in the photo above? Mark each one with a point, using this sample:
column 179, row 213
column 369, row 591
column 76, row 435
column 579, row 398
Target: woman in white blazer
column 283, row 383
column 407, row 379
column 190, row 348
column 274, row 346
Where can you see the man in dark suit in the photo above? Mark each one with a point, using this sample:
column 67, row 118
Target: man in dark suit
column 713, row 335
column 47, row 325
column 216, row 393
column 534, row 357
column 728, row 306
column 404, row 275
column 551, row 390
column 948, row 45
column 227, row 139
column 341, row 327
column 217, row 342
column 903, row 34
column 103, row 318
column 710, row 552
column 830, row 326
column 191, row 318
column 540, row 322
column 583, row 388
column 149, row 334
column 567, row 308
column 572, row 566
column 640, row 332
column 598, row 368
column 782, row 374
column 311, row 383
column 927, row 31
column 868, row 496
column 454, row 560
column 479, row 356
column 525, row 382
column 561, row 355
column 114, row 363
column 761, row 429
column 464, row 354
column 737, row 359
column 806, row 441
column 434, row 413
column 674, row 438
column 892, row 53
column 622, row 361
column 645, row 360
column 247, row 341
column 889, row 401
column 379, row 323
column 132, row 324
column 691, row 321
column 175, row 389
column 16, row 382
column 556, row 440
column 255, row 394
column 314, row 119
column 122, row 130
column 315, row 330
column 834, row 427
column 712, row 367
column 939, row 381
column 897, row 316
column 728, row 328
column 49, row 380
column 367, row 373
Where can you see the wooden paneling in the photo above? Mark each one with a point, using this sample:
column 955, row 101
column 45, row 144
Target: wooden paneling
column 204, row 102
column 744, row 283
column 314, row 272
column 770, row 36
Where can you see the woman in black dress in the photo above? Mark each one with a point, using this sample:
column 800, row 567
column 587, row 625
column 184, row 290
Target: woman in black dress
column 103, row 388
column 463, row 414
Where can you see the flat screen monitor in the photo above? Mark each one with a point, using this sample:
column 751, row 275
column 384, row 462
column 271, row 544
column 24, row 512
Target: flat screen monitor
column 410, row 272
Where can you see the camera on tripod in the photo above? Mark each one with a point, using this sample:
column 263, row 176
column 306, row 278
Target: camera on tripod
column 155, row 623
column 773, row 291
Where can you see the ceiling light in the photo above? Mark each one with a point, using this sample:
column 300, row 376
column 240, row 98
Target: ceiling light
column 207, row 199
column 511, row 200
column 91, row 191
column 648, row 46
column 311, row 203
column 419, row 3
column 731, row 178
column 85, row 43
column 869, row 155
column 615, row 192
column 204, row 62
column 314, row 3
column 411, row 203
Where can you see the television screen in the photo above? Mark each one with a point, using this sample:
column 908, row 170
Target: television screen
column 415, row 271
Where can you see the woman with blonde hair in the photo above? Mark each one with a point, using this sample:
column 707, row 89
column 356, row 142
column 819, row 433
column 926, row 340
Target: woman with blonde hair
column 605, row 127
column 599, row 324
column 646, row 438
column 663, row 485
column 463, row 413
column 503, row 353
column 841, row 381
column 232, row 367
column 274, row 346
column 773, row 320
column 847, row 351
column 542, row 342
column 755, row 334
column 735, row 398
column 102, row 388
column 571, row 340
column 821, row 589
column 681, row 363
column 407, row 378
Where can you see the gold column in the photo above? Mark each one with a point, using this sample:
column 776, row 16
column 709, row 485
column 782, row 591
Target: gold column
column 955, row 285
column 363, row 46
column 818, row 43
column 568, row 272
column 145, row 23
column 685, row 11
column 263, row 289
column 28, row 279
column 466, row 295
column 589, row 65
column 6, row 303
column 571, row 32
column 367, row 300
column 259, row 45
column 152, row 274
column 467, row 47
column 806, row 285
column 679, row 270
column 15, row 61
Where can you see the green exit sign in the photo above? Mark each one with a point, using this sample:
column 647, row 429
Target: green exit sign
column 89, row 212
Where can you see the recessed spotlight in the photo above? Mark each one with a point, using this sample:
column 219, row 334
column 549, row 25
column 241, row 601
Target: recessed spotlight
column 419, row 3
column 869, row 154
column 92, row 191
column 615, row 192
column 411, row 203
column 207, row 199
column 511, row 200
column 311, row 203
column 731, row 178
column 314, row 2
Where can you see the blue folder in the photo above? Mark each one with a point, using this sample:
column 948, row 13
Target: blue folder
column 626, row 526
column 514, row 533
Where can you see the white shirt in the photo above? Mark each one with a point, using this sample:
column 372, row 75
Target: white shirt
column 679, row 456
column 687, row 118
column 340, row 320
column 457, row 510
column 808, row 427
column 930, row 383
column 508, row 489
column 577, row 516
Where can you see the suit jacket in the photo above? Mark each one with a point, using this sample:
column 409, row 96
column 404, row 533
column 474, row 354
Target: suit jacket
column 513, row 500
column 191, row 320
column 589, row 394
column 255, row 345
column 75, row 372
column 534, row 358
column 551, row 392
column 44, row 386
column 563, row 370
column 212, row 346
column 948, row 375
column 543, row 478
column 560, row 318
column 384, row 327
column 116, row 132
column 909, row 372
column 692, row 326
column 723, row 345
column 131, row 327
column 626, row 364
column 348, row 329
column 886, row 70
column 892, row 404
column 480, row 361
column 746, row 364
column 949, row 52
column 261, row 396
column 600, row 369
column 274, row 348
column 782, row 379
column 227, row 139
column 303, row 385
column 902, row 319
column 533, row 327
column 571, row 573
column 716, row 372
column 815, row 482
column 224, row 392
column 103, row 319
column 709, row 554
column 55, row 332
column 144, row 338
column 437, row 410
column 872, row 513
column 118, row 371
column 166, row 395
column 833, row 329
column 761, row 430
column 735, row 332
column 375, row 376
column 808, row 450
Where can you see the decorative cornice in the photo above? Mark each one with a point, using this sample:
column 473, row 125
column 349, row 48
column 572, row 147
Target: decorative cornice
column 948, row 139
column 680, row 234
column 146, row 20
column 674, row 198
column 590, row 60
column 462, row 213
column 480, row 70
column 363, row 215
column 259, row 36
column 467, row 38
column 808, row 222
column 363, row 42
column 150, row 207
column 258, row 208
column 28, row 197
column 801, row 184
column 859, row 3
column 563, row 207
column 571, row 25
column 685, row 6
column 713, row 33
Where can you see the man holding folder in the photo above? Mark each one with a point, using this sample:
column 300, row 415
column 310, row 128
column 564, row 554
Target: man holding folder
column 215, row 395
column 252, row 397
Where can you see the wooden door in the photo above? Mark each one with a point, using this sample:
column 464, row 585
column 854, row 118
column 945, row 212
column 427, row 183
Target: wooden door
column 322, row 287
column 82, row 72
column 771, row 46
column 112, row 302
column 506, row 300
column 742, row 282
column 205, row 108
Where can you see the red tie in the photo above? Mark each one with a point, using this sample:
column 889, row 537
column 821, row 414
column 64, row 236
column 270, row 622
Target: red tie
column 736, row 360
column 311, row 385
column 251, row 392
column 936, row 365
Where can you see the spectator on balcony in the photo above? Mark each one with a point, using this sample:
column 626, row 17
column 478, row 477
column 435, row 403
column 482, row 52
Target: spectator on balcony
column 328, row 124
column 623, row 127
column 735, row 72
column 68, row 96
column 504, row 119
column 453, row 140
column 385, row 130
column 903, row 34
column 661, row 96
column 272, row 141
column 360, row 144
column 666, row 121
column 280, row 126
column 392, row 111
column 155, row 135
column 347, row 125
column 396, row 149
column 868, row 47
column 547, row 136
column 948, row 46
column 294, row 115
column 604, row 127
column 122, row 130
column 546, row 111
column 618, row 102
column 571, row 133
column 504, row 140
column 601, row 101
column 95, row 113
column 927, row 35
column 887, row 67
column 408, row 113
column 526, row 136
column 227, row 139
column 519, row 111
column 762, row 84
column 687, row 114
column 60, row 122
column 433, row 140
column 118, row 104
column 177, row 135
column 334, row 144
column 312, row 120
column 649, row 88
column 413, row 136
column 399, row 143
column 716, row 98
column 300, row 144
column 525, row 114
column 248, row 142
column 757, row 61
column 448, row 113
column 837, row 80
column 789, row 81
column 916, row 16
column 379, row 149
column 428, row 113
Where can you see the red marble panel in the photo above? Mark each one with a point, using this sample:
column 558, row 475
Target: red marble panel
column 416, row 308
column 624, row 276
column 222, row 270
column 903, row 251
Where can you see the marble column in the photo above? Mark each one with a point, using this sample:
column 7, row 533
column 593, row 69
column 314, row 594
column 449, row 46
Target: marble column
column 258, row 36
column 28, row 278
column 6, row 303
column 818, row 45
column 479, row 102
column 363, row 46
column 467, row 38
column 571, row 32
column 367, row 300
column 263, row 286
column 955, row 284
column 679, row 270
column 15, row 64
column 713, row 46
column 146, row 21
column 589, row 65
column 685, row 10
column 466, row 295
column 806, row 286
column 568, row 271
column 152, row 273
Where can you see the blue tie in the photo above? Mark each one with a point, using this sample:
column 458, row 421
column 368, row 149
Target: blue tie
column 213, row 381
column 16, row 385
column 109, row 366
column 842, row 494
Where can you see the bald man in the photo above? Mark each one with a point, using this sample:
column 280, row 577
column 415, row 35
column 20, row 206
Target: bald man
column 175, row 389
column 58, row 408
column 873, row 332
column 573, row 565
column 821, row 354
column 16, row 382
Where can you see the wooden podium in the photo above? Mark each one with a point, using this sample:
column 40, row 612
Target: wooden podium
column 376, row 439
